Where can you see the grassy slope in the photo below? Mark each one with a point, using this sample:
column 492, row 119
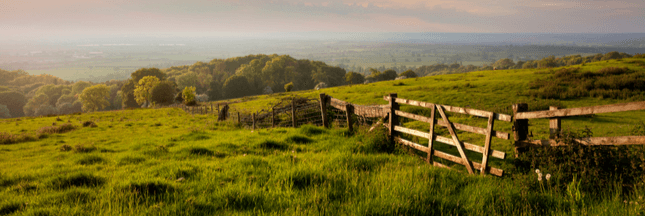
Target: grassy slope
column 276, row 171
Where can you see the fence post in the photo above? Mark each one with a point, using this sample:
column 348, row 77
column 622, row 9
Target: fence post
column 293, row 112
column 273, row 117
column 238, row 117
column 555, row 125
column 212, row 110
column 323, row 109
column 520, row 127
column 393, row 118
column 349, row 109
column 218, row 108
column 253, row 120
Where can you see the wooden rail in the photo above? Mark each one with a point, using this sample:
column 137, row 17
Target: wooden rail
column 582, row 111
column 468, row 111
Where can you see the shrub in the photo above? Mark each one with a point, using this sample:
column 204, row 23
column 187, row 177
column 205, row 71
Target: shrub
column 288, row 87
column 89, row 124
column 77, row 180
column 376, row 141
column 83, row 149
column 63, row 128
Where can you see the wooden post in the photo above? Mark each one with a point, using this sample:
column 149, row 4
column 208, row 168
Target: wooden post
column 293, row 112
column 489, row 135
column 555, row 125
column 323, row 109
column 217, row 108
column 520, row 127
column 238, row 117
column 394, row 121
column 349, row 110
column 433, row 136
column 253, row 120
column 272, row 117
column 212, row 110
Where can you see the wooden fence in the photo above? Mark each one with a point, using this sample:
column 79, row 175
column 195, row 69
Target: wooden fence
column 521, row 126
column 430, row 150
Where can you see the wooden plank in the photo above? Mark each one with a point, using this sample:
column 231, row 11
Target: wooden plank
column 370, row 111
column 458, row 160
column 433, row 120
column 393, row 118
column 463, row 127
column 411, row 144
column 491, row 123
column 582, row 110
column 455, row 138
column 468, row 146
column 437, row 164
column 480, row 113
column 380, row 121
column 555, row 124
column 622, row 140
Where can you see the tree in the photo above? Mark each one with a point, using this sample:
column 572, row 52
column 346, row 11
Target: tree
column 189, row 95
column 4, row 112
column 79, row 86
column 389, row 75
column 34, row 103
column 163, row 93
column 95, row 98
column 354, row 78
column 503, row 64
column 143, row 90
column 288, row 87
column 15, row 101
column 235, row 87
column 409, row 74
column 45, row 109
column 127, row 91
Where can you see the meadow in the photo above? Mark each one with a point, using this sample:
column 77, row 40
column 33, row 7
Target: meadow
column 167, row 162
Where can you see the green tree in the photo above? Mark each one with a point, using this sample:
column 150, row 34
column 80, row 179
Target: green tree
column 504, row 63
column 189, row 95
column 127, row 91
column 15, row 101
column 288, row 87
column 95, row 98
column 143, row 90
column 4, row 112
column 409, row 74
column 389, row 75
column 34, row 103
column 163, row 93
column 79, row 86
column 235, row 87
column 354, row 78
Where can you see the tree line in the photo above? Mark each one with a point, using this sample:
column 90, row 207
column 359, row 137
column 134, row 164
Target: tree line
column 35, row 95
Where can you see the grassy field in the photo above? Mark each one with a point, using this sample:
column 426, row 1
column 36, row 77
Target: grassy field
column 167, row 162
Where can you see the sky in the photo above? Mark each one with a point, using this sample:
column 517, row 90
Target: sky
column 38, row 19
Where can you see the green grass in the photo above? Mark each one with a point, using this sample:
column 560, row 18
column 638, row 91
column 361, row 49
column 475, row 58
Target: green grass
column 129, row 164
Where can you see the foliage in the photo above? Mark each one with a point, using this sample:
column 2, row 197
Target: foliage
column 45, row 109
column 15, row 101
column 354, row 78
column 79, row 86
column 409, row 74
column 188, row 95
column 34, row 103
column 63, row 128
column 236, row 87
column 95, row 98
column 4, row 112
column 127, row 91
column 163, row 93
column 288, row 87
column 143, row 89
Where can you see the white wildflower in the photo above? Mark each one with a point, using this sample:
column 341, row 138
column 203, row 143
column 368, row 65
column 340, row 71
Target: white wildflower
column 537, row 171
column 548, row 176
column 539, row 176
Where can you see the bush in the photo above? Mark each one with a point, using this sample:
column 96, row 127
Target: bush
column 84, row 149
column 89, row 124
column 376, row 141
column 288, row 87
column 8, row 138
column 63, row 128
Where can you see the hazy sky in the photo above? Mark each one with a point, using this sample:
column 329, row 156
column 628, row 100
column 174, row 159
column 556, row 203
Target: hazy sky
column 86, row 18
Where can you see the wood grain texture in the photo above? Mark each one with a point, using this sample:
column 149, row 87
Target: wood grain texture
column 463, row 127
column 455, row 138
column 468, row 146
column 487, row 142
column 480, row 113
column 582, row 110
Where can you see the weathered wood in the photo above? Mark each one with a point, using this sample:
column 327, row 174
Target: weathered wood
column 622, row 140
column 520, row 126
column 293, row 112
column 583, row 110
column 393, row 118
column 238, row 117
column 480, row 113
column 463, row 127
column 349, row 111
column 433, row 136
column 380, row 121
column 323, row 109
column 458, row 160
column 489, row 136
column 449, row 141
column 411, row 144
column 455, row 138
column 370, row 111
column 555, row 125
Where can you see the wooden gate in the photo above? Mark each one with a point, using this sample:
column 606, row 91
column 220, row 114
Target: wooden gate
column 462, row 159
